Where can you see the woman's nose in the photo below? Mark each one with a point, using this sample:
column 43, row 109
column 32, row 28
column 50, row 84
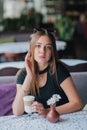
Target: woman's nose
column 43, row 49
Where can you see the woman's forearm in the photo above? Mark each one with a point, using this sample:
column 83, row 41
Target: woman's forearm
column 18, row 104
column 22, row 90
column 69, row 107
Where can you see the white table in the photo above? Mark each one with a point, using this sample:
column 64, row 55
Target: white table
column 15, row 64
column 73, row 121
column 22, row 47
column 72, row 62
column 20, row 64
column 60, row 45
column 15, row 47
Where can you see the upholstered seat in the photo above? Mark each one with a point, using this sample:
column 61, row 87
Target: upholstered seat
column 8, row 71
column 80, row 80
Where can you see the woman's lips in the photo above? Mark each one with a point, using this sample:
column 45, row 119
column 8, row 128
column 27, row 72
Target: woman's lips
column 42, row 57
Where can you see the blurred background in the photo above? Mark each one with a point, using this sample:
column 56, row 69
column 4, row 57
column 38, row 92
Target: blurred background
column 19, row 17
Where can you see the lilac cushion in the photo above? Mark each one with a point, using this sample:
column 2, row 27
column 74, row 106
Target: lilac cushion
column 7, row 94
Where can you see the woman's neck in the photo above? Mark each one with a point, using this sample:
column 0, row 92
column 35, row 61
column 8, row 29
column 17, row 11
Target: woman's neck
column 44, row 70
column 42, row 67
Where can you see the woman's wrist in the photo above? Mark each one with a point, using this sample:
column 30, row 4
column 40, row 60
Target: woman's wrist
column 25, row 85
column 24, row 91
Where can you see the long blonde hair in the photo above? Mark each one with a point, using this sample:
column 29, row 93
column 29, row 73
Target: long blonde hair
column 34, row 86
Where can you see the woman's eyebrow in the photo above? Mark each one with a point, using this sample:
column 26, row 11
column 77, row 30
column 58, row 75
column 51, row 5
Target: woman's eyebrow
column 41, row 43
column 38, row 43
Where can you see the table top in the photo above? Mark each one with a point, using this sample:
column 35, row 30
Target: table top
column 22, row 47
column 14, row 47
column 72, row 121
column 14, row 64
column 21, row 64
column 72, row 62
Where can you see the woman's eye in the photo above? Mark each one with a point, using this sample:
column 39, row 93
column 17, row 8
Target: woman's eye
column 38, row 46
column 49, row 47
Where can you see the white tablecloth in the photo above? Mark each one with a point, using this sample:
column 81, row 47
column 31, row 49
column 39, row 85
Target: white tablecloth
column 73, row 121
column 72, row 62
column 22, row 47
column 15, row 47
column 15, row 64
column 20, row 64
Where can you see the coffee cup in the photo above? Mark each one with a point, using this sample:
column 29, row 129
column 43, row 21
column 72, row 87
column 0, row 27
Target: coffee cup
column 28, row 100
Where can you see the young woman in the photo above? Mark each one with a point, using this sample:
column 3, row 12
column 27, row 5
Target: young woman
column 44, row 76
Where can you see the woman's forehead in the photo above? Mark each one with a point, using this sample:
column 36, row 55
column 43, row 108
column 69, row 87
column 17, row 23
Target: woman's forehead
column 44, row 39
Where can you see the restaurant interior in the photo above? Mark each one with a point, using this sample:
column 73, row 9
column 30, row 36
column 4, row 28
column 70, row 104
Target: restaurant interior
column 18, row 18
column 68, row 18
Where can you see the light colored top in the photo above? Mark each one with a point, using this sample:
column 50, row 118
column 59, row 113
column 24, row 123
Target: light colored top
column 72, row 121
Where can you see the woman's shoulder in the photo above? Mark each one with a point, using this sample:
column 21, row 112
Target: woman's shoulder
column 60, row 65
column 21, row 74
column 62, row 72
column 21, row 71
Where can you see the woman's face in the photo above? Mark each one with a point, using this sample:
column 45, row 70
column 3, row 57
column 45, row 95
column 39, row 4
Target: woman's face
column 43, row 50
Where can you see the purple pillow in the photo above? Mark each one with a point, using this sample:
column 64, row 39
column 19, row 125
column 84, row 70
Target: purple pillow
column 7, row 94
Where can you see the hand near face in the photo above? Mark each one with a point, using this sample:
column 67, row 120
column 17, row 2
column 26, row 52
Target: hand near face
column 28, row 64
column 39, row 108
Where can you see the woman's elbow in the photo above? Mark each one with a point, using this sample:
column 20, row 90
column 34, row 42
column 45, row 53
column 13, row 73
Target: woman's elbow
column 17, row 113
column 78, row 105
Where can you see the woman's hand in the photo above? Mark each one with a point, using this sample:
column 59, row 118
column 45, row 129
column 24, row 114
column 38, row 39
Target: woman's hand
column 28, row 64
column 39, row 108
